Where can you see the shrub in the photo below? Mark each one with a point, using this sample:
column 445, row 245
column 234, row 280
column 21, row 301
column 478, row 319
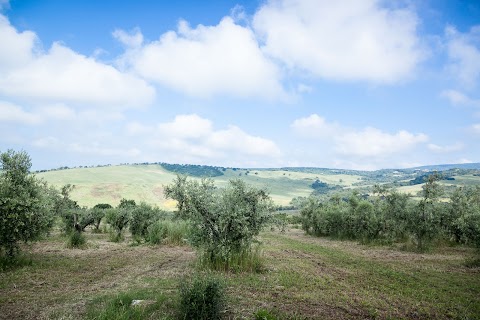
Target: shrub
column 201, row 298
column 77, row 219
column 142, row 217
column 98, row 213
column 25, row 203
column 76, row 239
column 264, row 315
column 238, row 261
column 224, row 223
column 118, row 219
column 168, row 232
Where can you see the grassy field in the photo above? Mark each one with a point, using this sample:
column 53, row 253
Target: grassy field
column 146, row 182
column 303, row 278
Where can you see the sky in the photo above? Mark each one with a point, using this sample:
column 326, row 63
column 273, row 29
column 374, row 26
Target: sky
column 338, row 84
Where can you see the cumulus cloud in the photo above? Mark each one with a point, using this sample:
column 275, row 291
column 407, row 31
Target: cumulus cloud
column 192, row 138
column 315, row 127
column 63, row 75
column 10, row 112
column 187, row 126
column 464, row 55
column 458, row 98
column 132, row 39
column 205, row 61
column 445, row 149
column 372, row 142
column 345, row 40
column 365, row 143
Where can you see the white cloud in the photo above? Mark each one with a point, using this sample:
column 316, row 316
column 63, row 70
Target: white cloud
column 57, row 112
column 133, row 39
column 315, row 127
column 303, row 88
column 62, row 75
column 206, row 61
column 445, row 149
column 475, row 128
column 98, row 149
column 343, row 40
column 365, row 143
column 191, row 138
column 372, row 142
column 17, row 47
column 464, row 55
column 458, row 98
column 46, row 142
column 187, row 126
column 234, row 139
column 10, row 112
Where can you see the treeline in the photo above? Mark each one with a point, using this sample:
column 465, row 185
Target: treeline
column 146, row 223
column 194, row 170
column 391, row 217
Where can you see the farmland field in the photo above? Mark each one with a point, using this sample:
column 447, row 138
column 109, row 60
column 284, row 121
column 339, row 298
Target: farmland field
column 303, row 278
column 146, row 182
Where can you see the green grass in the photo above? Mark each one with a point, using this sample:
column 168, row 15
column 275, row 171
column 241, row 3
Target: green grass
column 303, row 278
column 145, row 183
column 135, row 305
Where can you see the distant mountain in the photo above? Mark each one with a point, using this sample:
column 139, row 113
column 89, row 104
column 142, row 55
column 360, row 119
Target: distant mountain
column 444, row 167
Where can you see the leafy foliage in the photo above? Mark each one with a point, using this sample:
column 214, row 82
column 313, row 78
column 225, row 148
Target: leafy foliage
column 193, row 170
column 224, row 222
column 168, row 232
column 118, row 219
column 201, row 298
column 98, row 213
column 25, row 203
column 142, row 217
column 393, row 217
column 76, row 239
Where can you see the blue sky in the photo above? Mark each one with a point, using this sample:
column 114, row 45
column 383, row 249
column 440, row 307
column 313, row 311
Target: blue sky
column 345, row 84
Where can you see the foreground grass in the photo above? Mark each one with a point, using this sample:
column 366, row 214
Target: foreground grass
column 302, row 278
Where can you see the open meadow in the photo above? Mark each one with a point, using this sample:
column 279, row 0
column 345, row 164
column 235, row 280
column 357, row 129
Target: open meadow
column 146, row 182
column 303, row 277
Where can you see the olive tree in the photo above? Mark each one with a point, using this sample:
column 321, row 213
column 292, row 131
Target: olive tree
column 25, row 204
column 224, row 221
column 425, row 216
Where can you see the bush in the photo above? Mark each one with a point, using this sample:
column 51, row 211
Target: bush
column 25, row 203
column 76, row 239
column 241, row 261
column 264, row 315
column 98, row 213
column 224, row 223
column 168, row 232
column 142, row 217
column 77, row 219
column 201, row 298
column 118, row 219
column 18, row 261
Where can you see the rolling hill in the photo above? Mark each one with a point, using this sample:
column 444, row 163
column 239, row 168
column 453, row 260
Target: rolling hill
column 145, row 182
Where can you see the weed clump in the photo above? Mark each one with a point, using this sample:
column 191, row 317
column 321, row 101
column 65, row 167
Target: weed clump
column 76, row 239
column 201, row 298
column 168, row 232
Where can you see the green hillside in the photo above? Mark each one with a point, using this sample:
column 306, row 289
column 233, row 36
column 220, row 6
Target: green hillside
column 145, row 182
